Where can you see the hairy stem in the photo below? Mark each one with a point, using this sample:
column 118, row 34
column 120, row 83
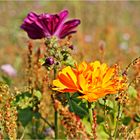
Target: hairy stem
column 94, row 125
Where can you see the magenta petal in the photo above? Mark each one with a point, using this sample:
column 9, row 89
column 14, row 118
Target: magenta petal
column 67, row 33
column 31, row 17
column 53, row 23
column 33, row 27
column 44, row 21
column 63, row 14
column 33, row 31
column 68, row 27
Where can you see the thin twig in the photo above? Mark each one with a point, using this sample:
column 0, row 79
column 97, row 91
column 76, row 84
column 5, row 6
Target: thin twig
column 46, row 121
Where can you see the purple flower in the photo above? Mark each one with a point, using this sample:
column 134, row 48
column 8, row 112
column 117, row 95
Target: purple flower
column 8, row 69
column 49, row 61
column 71, row 47
column 47, row 25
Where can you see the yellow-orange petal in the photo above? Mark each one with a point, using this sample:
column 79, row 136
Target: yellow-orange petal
column 108, row 75
column 57, row 83
column 91, row 97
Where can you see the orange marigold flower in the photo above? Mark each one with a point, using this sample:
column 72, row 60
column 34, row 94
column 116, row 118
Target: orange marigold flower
column 93, row 80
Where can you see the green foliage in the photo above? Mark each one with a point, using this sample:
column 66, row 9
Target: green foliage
column 37, row 94
column 109, row 104
column 25, row 116
column 7, row 80
column 126, row 120
column 100, row 119
column 87, row 125
column 24, row 100
column 42, row 61
column 76, row 105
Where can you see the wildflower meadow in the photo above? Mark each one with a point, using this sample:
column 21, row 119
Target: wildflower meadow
column 70, row 70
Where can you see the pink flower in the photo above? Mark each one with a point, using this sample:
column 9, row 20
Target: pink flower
column 47, row 25
column 8, row 69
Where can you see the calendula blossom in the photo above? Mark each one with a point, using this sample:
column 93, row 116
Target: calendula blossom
column 92, row 81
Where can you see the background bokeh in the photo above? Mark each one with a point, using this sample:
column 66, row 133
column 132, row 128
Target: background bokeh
column 109, row 31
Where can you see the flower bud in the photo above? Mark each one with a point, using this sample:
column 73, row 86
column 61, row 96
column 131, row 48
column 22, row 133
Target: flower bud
column 71, row 47
column 49, row 61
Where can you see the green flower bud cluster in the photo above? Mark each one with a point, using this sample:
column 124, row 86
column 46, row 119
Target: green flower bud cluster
column 56, row 54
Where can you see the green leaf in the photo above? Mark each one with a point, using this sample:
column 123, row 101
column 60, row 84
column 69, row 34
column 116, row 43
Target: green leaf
column 75, row 95
column 76, row 105
column 7, row 80
column 23, row 100
column 77, row 109
column 126, row 120
column 109, row 104
column 22, row 95
column 37, row 115
column 87, row 125
column 25, row 116
column 104, row 135
column 69, row 62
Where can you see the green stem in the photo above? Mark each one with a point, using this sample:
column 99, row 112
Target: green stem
column 46, row 121
column 117, row 121
column 55, row 114
column 22, row 136
column 56, row 123
column 90, row 113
